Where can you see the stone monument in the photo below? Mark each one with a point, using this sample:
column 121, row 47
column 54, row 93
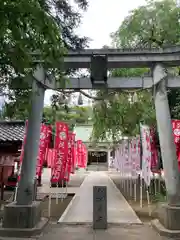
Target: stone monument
column 99, row 207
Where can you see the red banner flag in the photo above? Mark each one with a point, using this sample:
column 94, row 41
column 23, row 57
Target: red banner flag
column 84, row 157
column 154, row 152
column 75, row 155
column 41, row 152
column 79, row 153
column 48, row 141
column 42, row 148
column 73, row 165
column 51, row 157
column 176, row 133
column 69, row 158
column 61, row 146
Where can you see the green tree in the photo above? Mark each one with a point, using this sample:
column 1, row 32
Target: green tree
column 121, row 114
column 17, row 106
column 160, row 21
column 28, row 26
column 74, row 115
column 155, row 24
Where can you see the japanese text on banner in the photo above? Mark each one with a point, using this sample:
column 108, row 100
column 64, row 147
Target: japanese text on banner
column 42, row 149
column 61, row 146
column 146, row 155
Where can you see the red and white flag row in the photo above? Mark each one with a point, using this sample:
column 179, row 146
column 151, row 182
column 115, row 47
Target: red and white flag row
column 138, row 155
column 64, row 157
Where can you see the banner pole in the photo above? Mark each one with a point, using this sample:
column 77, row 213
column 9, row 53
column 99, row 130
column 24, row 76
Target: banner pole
column 62, row 185
column 49, row 206
column 135, row 186
column 56, row 194
column 141, row 190
column 148, row 200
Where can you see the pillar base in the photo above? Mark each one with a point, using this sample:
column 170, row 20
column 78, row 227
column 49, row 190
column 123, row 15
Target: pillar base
column 169, row 221
column 169, row 216
column 22, row 220
column 162, row 231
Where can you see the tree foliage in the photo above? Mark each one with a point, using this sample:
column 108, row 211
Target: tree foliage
column 27, row 26
column 74, row 115
column 121, row 114
column 156, row 24
column 17, row 106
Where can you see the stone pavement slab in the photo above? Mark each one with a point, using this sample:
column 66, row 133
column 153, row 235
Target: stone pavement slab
column 47, row 189
column 80, row 210
column 75, row 179
column 72, row 187
column 129, row 232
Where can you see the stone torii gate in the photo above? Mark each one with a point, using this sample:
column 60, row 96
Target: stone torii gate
column 25, row 213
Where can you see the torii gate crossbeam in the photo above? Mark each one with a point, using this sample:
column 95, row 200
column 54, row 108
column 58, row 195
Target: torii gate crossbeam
column 123, row 58
column 112, row 83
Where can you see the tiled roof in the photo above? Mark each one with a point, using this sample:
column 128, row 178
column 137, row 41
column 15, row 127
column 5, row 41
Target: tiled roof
column 12, row 130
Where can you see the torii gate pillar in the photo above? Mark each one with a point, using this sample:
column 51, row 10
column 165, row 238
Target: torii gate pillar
column 170, row 212
column 23, row 216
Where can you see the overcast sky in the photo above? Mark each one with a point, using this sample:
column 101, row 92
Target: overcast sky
column 101, row 19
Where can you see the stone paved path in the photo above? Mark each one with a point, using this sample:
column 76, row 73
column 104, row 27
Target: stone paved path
column 118, row 209
column 81, row 208
column 73, row 186
column 129, row 232
column 75, row 179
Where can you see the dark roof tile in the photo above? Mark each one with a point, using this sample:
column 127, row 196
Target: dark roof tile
column 12, row 130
